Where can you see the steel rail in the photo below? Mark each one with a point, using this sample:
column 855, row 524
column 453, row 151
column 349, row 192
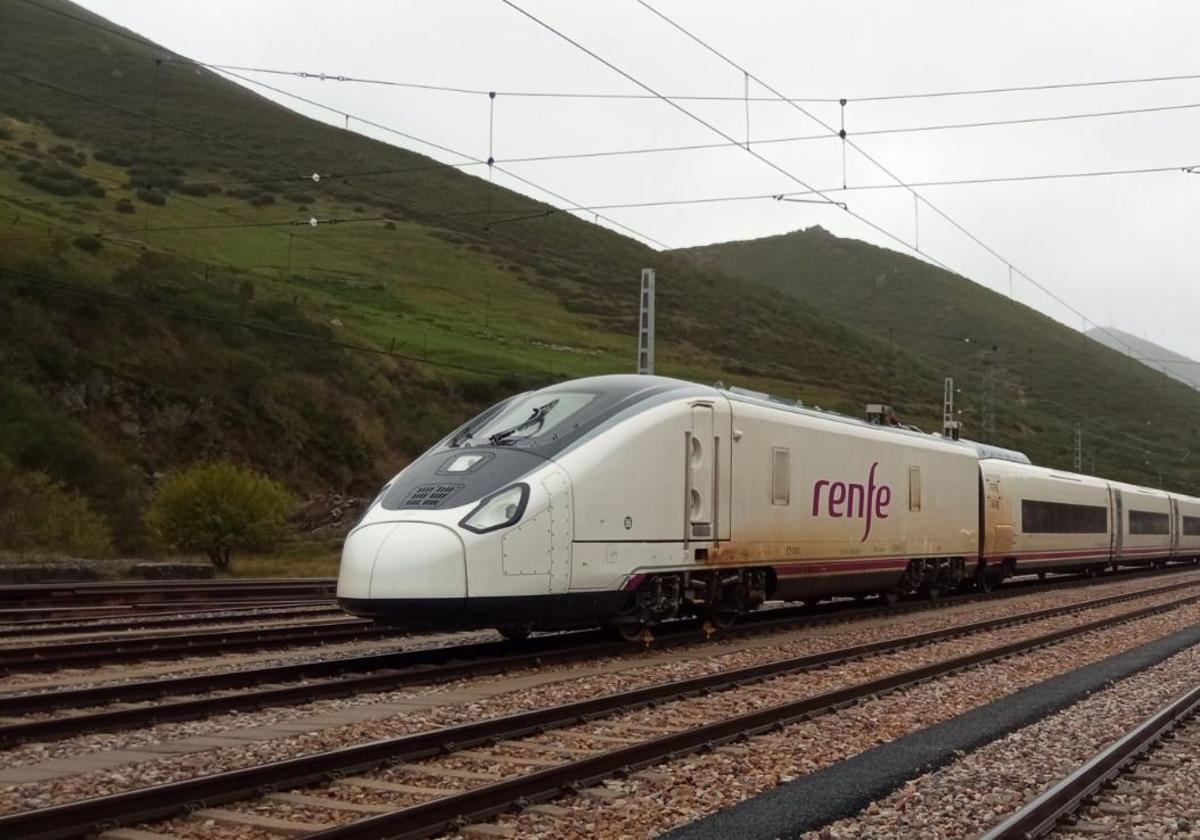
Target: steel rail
column 114, row 624
column 76, row 594
column 29, row 616
column 1040, row 815
column 71, row 654
column 77, row 819
column 385, row 671
column 386, row 678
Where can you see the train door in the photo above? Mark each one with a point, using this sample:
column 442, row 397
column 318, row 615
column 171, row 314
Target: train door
column 996, row 527
column 1175, row 526
column 701, row 485
column 1118, row 525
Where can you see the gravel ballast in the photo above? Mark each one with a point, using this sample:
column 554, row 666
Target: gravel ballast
column 703, row 784
column 849, row 786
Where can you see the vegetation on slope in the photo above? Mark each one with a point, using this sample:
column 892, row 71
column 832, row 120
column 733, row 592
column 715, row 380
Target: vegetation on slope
column 163, row 299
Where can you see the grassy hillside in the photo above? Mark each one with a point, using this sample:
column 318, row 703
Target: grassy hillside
column 159, row 302
column 1177, row 365
column 1138, row 424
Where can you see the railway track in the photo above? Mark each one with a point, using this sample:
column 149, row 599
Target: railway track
column 50, row 600
column 349, row 676
column 573, row 757
column 208, row 615
column 1059, row 803
column 122, row 649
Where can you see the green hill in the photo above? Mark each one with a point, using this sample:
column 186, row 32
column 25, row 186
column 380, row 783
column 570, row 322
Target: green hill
column 1138, row 424
column 163, row 299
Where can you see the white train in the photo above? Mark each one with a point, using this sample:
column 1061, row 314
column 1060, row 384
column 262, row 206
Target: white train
column 627, row 500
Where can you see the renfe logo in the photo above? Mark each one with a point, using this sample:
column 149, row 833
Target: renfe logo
column 854, row 500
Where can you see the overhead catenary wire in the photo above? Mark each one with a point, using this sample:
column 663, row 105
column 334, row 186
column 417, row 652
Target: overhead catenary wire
column 691, row 97
column 345, row 114
column 1134, row 80
column 471, row 158
column 875, row 162
column 1003, row 179
column 728, row 138
column 732, row 141
column 335, row 109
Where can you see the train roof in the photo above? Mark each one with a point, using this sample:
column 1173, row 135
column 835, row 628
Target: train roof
column 980, row 450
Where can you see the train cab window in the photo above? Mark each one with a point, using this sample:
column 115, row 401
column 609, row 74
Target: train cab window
column 1191, row 526
column 781, row 476
column 914, row 488
column 1062, row 518
column 1146, row 522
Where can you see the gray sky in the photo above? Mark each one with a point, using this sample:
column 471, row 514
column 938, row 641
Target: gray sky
column 1120, row 249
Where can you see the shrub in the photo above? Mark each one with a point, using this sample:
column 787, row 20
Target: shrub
column 262, row 200
column 199, row 189
column 125, row 206
column 116, row 158
column 151, row 196
column 217, row 507
column 38, row 513
column 90, row 244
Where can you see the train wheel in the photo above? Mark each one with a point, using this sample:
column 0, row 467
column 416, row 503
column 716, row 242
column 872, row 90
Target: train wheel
column 984, row 582
column 891, row 598
column 722, row 618
column 515, row 632
column 627, row 631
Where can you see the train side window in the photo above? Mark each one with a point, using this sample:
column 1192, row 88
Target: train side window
column 781, row 476
column 914, row 488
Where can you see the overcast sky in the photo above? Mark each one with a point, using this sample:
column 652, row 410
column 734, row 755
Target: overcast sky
column 1120, row 249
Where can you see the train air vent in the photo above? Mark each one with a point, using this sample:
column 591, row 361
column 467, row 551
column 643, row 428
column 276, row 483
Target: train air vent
column 431, row 495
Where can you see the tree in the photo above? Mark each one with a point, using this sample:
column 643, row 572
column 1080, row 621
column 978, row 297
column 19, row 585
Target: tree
column 218, row 507
column 38, row 513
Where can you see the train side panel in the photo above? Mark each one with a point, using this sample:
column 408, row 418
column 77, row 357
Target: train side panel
column 839, row 508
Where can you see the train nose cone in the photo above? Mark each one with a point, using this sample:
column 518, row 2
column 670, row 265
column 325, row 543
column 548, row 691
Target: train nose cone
column 358, row 559
column 407, row 572
column 420, row 560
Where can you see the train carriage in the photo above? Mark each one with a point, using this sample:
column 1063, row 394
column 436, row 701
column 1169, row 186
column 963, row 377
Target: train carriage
column 628, row 500
column 1042, row 520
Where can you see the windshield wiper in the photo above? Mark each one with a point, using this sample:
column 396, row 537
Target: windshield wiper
column 461, row 438
column 537, row 417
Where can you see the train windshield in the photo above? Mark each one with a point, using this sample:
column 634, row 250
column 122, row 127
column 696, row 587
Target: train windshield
column 529, row 416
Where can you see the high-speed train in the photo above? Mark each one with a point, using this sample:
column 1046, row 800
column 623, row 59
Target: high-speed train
column 626, row 500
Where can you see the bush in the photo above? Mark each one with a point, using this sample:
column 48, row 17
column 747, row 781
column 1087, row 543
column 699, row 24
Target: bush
column 151, row 196
column 218, row 507
column 38, row 513
column 90, row 244
column 125, row 206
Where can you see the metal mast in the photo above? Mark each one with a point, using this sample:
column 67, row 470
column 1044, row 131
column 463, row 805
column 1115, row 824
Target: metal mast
column 645, row 363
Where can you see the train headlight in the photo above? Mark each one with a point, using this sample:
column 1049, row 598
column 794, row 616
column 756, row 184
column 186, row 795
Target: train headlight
column 498, row 510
